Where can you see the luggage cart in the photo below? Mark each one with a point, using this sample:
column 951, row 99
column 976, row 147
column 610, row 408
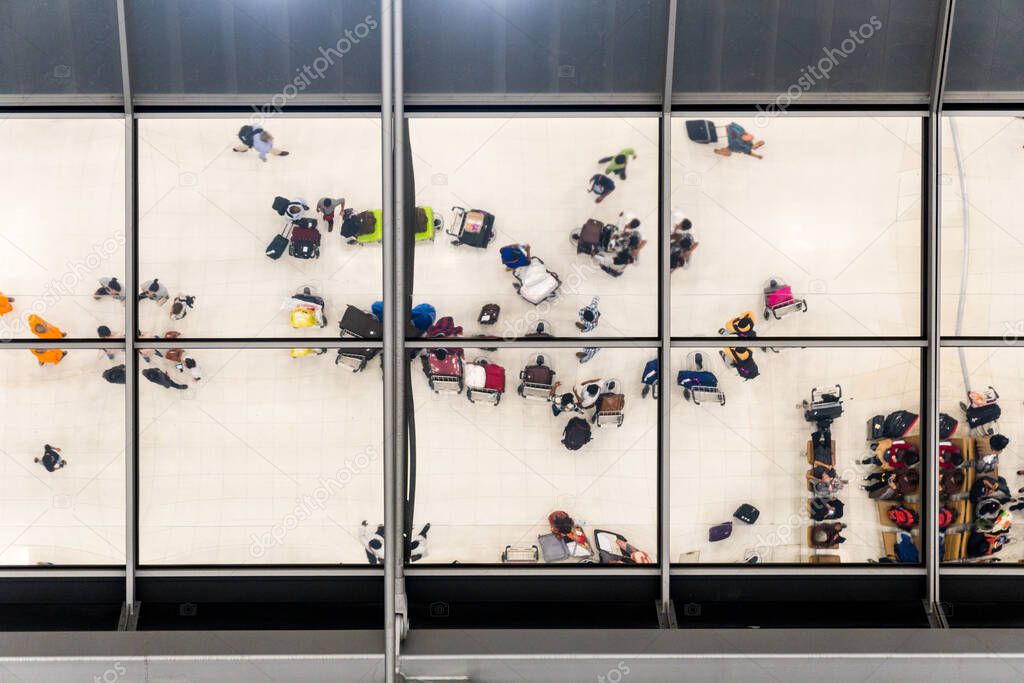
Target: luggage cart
column 472, row 227
column 779, row 300
column 699, row 384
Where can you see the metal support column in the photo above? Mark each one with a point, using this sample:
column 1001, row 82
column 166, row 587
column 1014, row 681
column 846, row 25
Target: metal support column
column 391, row 444
column 398, row 306
column 666, row 612
column 129, row 611
column 932, row 331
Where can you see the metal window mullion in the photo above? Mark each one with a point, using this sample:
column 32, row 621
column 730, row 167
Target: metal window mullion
column 130, row 287
column 390, row 337
column 933, row 187
column 665, row 329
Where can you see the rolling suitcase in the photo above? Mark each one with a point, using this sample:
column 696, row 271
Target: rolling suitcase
column 702, row 131
column 278, row 245
column 720, row 532
column 747, row 513
column 876, row 428
column 553, row 547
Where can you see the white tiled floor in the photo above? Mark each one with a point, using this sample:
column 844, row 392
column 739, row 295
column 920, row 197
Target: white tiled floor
column 833, row 209
column 268, row 459
column 752, row 450
column 64, row 187
column 993, row 161
column 74, row 515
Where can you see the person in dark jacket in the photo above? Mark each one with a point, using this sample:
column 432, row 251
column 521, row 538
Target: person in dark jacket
column 157, row 376
column 51, row 459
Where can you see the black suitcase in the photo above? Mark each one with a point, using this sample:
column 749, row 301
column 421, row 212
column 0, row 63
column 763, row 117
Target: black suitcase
column 947, row 426
column 702, row 131
column 982, row 415
column 277, row 247
column 747, row 513
column 876, row 428
column 280, row 205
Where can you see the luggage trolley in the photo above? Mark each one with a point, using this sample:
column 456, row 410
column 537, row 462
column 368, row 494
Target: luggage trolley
column 699, row 384
column 824, row 406
column 536, row 283
column 444, row 370
column 609, row 410
column 779, row 300
column 473, row 227
column 982, row 411
column 358, row 324
column 485, row 381
column 536, row 381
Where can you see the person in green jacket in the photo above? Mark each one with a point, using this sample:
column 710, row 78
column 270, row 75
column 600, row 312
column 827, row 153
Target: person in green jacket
column 617, row 162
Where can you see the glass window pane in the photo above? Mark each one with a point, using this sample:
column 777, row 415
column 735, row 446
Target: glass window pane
column 815, row 46
column 833, row 211
column 63, row 505
column 530, row 177
column 981, row 293
column 535, row 47
column 266, row 459
column 206, row 219
column 270, row 47
column 988, row 380
column 66, row 48
column 66, row 233
column 755, row 449
column 488, row 477
column 985, row 54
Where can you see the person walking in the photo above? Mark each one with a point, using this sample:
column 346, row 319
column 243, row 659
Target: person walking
column 373, row 544
column 43, row 329
column 109, row 286
column 103, row 332
column 589, row 316
column 418, row 546
column 157, row 376
column 254, row 137
column 5, row 304
column 183, row 303
column 328, row 207
column 617, row 162
column 51, row 459
column 154, row 291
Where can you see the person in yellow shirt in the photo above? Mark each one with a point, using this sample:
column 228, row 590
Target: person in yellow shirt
column 43, row 329
column 48, row 356
column 5, row 304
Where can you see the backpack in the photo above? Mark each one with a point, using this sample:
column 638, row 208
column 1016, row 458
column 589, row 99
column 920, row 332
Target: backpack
column 946, row 517
column 247, row 134
column 906, row 551
column 747, row 513
column 576, row 434
column 947, row 426
column 115, row 375
column 903, row 517
column 489, row 314
column 719, row 532
column 898, row 423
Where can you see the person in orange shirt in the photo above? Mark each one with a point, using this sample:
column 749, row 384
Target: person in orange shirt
column 43, row 329
column 5, row 304
column 48, row 356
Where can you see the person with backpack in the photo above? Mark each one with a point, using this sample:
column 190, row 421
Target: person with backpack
column 103, row 332
column 602, row 186
column 51, row 460
column 161, row 378
column 589, row 316
column 373, row 543
column 649, row 379
column 902, row 516
column 515, row 256
column 254, row 137
column 617, row 162
column 682, row 244
column 115, row 375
